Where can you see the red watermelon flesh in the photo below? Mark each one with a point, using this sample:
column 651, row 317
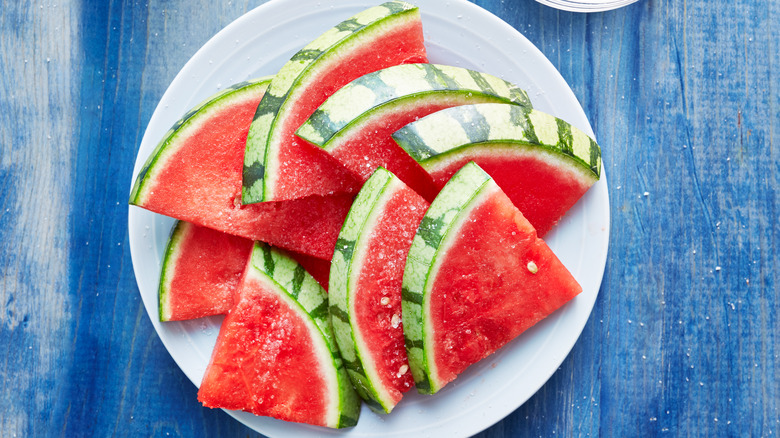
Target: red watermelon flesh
column 200, row 182
column 265, row 360
column 378, row 302
column 202, row 276
column 497, row 280
column 202, row 273
column 542, row 204
column 307, row 169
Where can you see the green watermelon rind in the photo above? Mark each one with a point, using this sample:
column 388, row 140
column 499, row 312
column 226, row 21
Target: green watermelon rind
column 302, row 291
column 259, row 167
column 439, row 226
column 190, row 121
column 172, row 253
column 394, row 88
column 345, row 271
column 440, row 138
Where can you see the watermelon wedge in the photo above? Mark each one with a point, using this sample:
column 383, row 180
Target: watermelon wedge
column 194, row 175
column 355, row 124
column 541, row 162
column 365, row 291
column 275, row 355
column 202, row 269
column 277, row 165
column 476, row 277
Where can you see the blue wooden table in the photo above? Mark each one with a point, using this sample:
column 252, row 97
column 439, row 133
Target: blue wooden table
column 684, row 338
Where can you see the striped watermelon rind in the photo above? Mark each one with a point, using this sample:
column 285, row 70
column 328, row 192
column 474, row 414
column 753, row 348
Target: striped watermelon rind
column 190, row 122
column 295, row 284
column 450, row 206
column 437, row 139
column 396, row 88
column 345, row 271
column 260, row 162
column 172, row 254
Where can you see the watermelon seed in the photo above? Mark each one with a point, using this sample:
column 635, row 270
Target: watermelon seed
column 395, row 321
column 532, row 268
column 385, row 301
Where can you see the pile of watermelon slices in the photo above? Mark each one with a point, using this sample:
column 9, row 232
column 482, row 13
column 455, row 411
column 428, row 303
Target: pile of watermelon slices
column 368, row 222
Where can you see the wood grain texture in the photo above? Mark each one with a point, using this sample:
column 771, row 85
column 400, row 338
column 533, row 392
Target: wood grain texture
column 35, row 107
column 682, row 95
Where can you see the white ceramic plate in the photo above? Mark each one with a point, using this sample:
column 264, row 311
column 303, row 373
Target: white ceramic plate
column 457, row 33
column 586, row 5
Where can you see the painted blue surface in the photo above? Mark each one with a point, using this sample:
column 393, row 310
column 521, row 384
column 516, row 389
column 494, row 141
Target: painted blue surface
column 684, row 338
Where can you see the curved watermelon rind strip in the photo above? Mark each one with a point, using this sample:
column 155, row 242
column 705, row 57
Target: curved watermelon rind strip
column 167, row 146
column 362, row 98
column 312, row 300
column 509, row 149
column 172, row 253
column 259, row 168
column 347, row 260
column 445, row 211
column 442, row 136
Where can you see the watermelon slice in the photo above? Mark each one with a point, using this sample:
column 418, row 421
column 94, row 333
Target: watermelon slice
column 355, row 124
column 365, row 291
column 200, row 272
column 275, row 355
column 202, row 268
column 194, row 175
column 476, row 277
column 277, row 165
column 542, row 163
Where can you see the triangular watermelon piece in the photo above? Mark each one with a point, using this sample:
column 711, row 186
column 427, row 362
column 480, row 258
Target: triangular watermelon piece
column 365, row 292
column 278, row 165
column 202, row 269
column 476, row 277
column 275, row 355
column 542, row 163
column 194, row 175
